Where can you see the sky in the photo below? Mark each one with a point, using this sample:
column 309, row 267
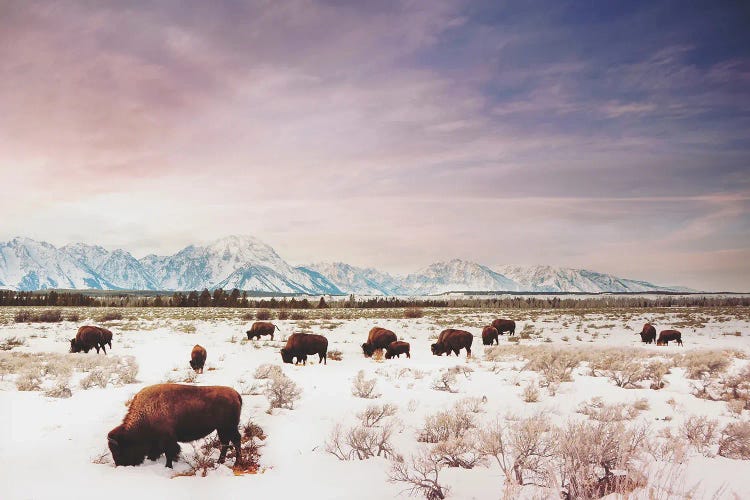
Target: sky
column 612, row 136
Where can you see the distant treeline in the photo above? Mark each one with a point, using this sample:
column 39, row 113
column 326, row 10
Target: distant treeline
column 240, row 299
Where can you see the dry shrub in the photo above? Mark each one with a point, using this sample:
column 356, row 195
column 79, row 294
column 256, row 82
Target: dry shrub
column 531, row 393
column 29, row 316
column 597, row 409
column 699, row 364
column 459, row 452
column 30, row 379
column 60, row 390
column 282, row 392
column 445, row 381
column 12, row 342
column 669, row 447
column 283, row 314
column 655, row 372
column 734, row 441
column 701, row 432
column 447, row 424
column 373, row 414
column 597, row 458
column 555, row 366
column 110, row 316
column 523, row 450
column 297, row 315
column 335, row 355
column 363, row 387
column 99, row 376
column 201, row 460
column 421, row 474
column 263, row 314
column 267, row 371
column 247, row 316
column 370, row 438
column 413, row 313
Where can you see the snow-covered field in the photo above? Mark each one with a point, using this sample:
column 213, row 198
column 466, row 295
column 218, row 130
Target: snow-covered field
column 56, row 447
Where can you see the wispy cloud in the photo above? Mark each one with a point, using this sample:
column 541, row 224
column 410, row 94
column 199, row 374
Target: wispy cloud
column 393, row 127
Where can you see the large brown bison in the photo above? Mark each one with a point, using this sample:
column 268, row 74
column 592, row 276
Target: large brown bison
column 505, row 325
column 666, row 335
column 162, row 415
column 261, row 328
column 648, row 334
column 452, row 340
column 378, row 338
column 198, row 358
column 396, row 349
column 490, row 335
column 300, row 345
column 91, row 337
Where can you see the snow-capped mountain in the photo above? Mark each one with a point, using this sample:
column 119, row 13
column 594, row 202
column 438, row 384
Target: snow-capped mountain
column 563, row 279
column 457, row 275
column 246, row 263
column 357, row 280
column 26, row 264
column 121, row 269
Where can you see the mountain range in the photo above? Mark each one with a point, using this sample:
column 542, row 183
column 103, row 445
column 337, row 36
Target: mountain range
column 247, row 263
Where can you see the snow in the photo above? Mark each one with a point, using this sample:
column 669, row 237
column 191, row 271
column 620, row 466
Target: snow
column 48, row 443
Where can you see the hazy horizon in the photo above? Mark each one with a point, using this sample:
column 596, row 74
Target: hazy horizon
column 614, row 138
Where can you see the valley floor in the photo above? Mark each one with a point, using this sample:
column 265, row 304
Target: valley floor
column 53, row 447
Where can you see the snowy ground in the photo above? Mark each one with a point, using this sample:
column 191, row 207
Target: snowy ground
column 49, row 446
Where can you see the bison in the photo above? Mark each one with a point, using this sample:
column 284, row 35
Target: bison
column 162, row 415
column 505, row 325
column 648, row 334
column 666, row 335
column 452, row 340
column 91, row 337
column 198, row 358
column 299, row 345
column 490, row 335
column 378, row 338
column 261, row 328
column 396, row 349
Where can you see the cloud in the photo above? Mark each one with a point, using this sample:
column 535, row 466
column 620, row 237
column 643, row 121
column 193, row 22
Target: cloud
column 400, row 126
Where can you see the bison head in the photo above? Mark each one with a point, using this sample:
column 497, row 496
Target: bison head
column 194, row 365
column 74, row 347
column 367, row 349
column 437, row 349
column 286, row 356
column 388, row 354
column 125, row 450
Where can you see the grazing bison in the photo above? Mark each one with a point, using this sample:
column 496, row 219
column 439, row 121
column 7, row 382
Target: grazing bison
column 666, row 335
column 648, row 334
column 162, row 415
column 378, row 338
column 198, row 358
column 91, row 337
column 261, row 328
column 396, row 349
column 505, row 325
column 490, row 335
column 452, row 340
column 299, row 345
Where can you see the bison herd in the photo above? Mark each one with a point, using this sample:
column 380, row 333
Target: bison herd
column 648, row 335
column 163, row 415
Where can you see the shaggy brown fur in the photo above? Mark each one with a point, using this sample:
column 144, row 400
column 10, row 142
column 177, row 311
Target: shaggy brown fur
column 490, row 335
column 667, row 335
column 505, row 325
column 91, row 337
column 648, row 334
column 452, row 340
column 198, row 358
column 162, row 415
column 300, row 345
column 378, row 338
column 396, row 349
column 261, row 328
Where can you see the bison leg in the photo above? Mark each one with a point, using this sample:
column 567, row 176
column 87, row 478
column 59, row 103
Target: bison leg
column 155, row 452
column 171, row 451
column 103, row 348
column 225, row 437
column 323, row 358
column 468, row 352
